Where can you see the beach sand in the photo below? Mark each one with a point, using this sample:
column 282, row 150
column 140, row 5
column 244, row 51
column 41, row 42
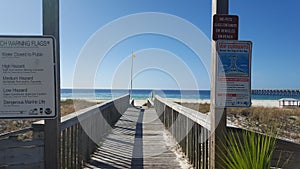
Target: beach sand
column 140, row 102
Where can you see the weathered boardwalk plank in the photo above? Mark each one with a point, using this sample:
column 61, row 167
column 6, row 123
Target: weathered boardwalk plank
column 138, row 140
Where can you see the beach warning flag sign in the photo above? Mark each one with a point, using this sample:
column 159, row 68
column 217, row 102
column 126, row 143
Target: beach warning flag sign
column 133, row 56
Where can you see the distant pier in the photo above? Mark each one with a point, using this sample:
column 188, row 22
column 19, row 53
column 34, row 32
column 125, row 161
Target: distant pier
column 276, row 92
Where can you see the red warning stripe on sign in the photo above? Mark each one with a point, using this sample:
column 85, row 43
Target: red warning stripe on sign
column 233, row 79
column 226, row 94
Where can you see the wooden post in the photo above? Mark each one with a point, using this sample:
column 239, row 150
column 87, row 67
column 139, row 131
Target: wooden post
column 218, row 115
column 52, row 126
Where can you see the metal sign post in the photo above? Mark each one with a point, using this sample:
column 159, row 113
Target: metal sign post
column 52, row 126
column 218, row 115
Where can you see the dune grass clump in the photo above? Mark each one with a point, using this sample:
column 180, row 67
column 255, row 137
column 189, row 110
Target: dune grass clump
column 71, row 105
column 263, row 119
column 247, row 150
column 202, row 107
column 264, row 114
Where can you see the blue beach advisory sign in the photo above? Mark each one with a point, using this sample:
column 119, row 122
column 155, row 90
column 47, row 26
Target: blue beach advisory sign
column 233, row 74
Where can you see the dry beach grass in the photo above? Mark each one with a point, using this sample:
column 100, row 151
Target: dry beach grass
column 69, row 106
column 261, row 119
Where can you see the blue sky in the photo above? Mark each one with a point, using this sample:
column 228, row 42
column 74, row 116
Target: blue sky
column 272, row 25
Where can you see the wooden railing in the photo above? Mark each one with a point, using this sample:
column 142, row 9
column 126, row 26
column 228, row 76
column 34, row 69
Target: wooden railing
column 190, row 128
column 82, row 131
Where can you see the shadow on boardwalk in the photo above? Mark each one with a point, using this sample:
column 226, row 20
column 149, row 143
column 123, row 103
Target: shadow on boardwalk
column 138, row 140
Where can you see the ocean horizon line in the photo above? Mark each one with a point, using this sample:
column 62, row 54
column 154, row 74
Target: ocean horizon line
column 106, row 94
column 134, row 89
column 67, row 88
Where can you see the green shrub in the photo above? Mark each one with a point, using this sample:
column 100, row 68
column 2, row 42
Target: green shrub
column 248, row 150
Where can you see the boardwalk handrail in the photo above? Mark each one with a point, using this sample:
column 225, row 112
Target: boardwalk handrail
column 71, row 119
column 190, row 129
column 198, row 117
column 170, row 112
column 83, row 130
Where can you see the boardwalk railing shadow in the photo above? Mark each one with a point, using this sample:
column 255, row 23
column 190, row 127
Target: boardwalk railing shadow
column 191, row 129
column 138, row 140
column 83, row 130
column 123, row 148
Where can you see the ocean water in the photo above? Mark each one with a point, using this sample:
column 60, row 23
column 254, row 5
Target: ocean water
column 107, row 94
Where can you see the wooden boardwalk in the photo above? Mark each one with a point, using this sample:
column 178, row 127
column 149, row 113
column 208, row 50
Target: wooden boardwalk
column 138, row 140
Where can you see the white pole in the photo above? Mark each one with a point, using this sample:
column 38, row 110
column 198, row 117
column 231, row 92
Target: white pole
column 131, row 76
